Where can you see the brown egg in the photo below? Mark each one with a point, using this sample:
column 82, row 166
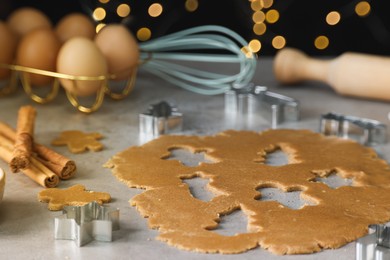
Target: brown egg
column 7, row 48
column 26, row 19
column 73, row 25
column 39, row 49
column 80, row 56
column 120, row 49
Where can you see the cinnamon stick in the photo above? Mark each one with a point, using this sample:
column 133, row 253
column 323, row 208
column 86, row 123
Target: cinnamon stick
column 22, row 151
column 59, row 164
column 62, row 166
column 36, row 170
column 7, row 131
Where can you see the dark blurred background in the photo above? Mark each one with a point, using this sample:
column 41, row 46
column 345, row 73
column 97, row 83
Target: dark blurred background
column 317, row 27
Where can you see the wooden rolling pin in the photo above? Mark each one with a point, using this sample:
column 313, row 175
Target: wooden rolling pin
column 353, row 74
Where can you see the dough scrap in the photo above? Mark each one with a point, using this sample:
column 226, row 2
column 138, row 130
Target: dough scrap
column 76, row 195
column 78, row 141
column 338, row 216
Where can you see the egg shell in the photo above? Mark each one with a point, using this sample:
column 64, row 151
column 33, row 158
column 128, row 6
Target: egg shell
column 120, row 49
column 73, row 25
column 25, row 19
column 80, row 56
column 39, row 49
column 7, row 48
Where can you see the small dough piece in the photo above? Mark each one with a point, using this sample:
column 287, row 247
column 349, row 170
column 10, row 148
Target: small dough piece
column 239, row 171
column 79, row 142
column 76, row 195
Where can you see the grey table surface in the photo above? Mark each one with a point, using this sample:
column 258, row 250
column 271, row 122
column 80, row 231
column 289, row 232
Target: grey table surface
column 26, row 225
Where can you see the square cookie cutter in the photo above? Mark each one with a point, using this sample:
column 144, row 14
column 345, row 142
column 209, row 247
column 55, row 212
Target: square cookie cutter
column 244, row 104
column 376, row 245
column 84, row 224
column 366, row 131
column 161, row 118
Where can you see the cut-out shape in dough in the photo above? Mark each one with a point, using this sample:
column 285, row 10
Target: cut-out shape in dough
column 276, row 158
column 334, row 181
column 76, row 195
column 232, row 224
column 198, row 188
column 339, row 215
column 187, row 158
column 78, row 141
column 291, row 199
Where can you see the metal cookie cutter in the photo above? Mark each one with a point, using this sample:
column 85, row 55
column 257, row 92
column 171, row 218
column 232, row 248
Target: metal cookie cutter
column 376, row 245
column 366, row 131
column 161, row 118
column 86, row 223
column 253, row 100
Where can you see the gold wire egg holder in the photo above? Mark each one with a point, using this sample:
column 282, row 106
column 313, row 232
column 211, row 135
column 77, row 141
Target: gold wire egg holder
column 23, row 73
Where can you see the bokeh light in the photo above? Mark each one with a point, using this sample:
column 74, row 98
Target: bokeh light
column 333, row 18
column 362, row 8
column 255, row 45
column 99, row 14
column 272, row 16
column 191, row 5
column 321, row 42
column 257, row 5
column 247, row 52
column 155, row 10
column 123, row 10
column 267, row 3
column 99, row 27
column 259, row 28
column 278, row 42
column 258, row 17
column 265, row 14
column 144, row 34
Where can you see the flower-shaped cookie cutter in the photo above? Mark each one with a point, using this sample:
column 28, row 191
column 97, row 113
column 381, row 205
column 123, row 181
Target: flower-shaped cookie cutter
column 86, row 223
column 367, row 131
column 251, row 100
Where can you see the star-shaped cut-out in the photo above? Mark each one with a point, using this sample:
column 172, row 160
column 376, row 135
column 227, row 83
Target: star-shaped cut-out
column 86, row 223
column 76, row 195
column 78, row 141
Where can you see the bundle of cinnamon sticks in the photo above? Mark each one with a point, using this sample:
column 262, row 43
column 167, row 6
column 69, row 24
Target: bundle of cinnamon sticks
column 40, row 163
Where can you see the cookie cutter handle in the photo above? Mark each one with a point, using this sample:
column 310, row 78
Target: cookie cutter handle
column 370, row 132
column 382, row 232
column 283, row 108
column 376, row 135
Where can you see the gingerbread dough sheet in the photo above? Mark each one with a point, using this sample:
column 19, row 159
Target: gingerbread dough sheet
column 237, row 173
